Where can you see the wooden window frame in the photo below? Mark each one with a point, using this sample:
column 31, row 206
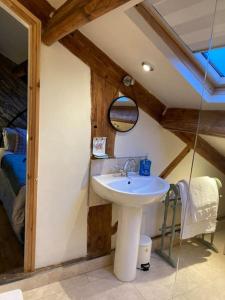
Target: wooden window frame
column 34, row 37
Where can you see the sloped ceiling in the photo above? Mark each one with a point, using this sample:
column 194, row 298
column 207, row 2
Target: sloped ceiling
column 119, row 37
column 192, row 20
column 13, row 38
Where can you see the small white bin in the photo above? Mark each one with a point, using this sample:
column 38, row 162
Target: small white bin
column 144, row 253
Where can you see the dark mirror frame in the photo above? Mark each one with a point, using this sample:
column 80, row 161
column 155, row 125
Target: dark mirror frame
column 113, row 101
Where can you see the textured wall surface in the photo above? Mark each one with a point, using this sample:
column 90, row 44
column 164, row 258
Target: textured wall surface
column 64, row 155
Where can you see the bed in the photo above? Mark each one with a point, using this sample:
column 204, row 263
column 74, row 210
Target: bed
column 13, row 178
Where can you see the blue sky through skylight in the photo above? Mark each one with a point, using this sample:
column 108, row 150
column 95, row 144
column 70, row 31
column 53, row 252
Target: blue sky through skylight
column 216, row 59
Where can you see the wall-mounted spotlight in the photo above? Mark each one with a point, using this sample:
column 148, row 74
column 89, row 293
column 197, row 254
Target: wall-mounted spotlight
column 147, row 67
column 128, row 80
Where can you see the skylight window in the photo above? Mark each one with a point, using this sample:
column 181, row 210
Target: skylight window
column 216, row 59
column 188, row 27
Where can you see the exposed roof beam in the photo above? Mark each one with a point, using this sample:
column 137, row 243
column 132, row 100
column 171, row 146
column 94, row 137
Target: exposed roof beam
column 102, row 65
column 105, row 67
column 40, row 8
column 204, row 149
column 75, row 13
column 166, row 172
column 212, row 122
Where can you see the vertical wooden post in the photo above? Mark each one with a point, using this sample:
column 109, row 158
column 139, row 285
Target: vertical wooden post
column 102, row 94
column 34, row 27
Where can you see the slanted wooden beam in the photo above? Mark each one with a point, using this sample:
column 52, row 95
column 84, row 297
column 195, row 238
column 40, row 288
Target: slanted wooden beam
column 75, row 13
column 40, row 8
column 103, row 66
column 165, row 173
column 211, row 122
column 204, row 149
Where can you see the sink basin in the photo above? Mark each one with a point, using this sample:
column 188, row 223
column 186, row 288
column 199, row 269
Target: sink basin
column 130, row 193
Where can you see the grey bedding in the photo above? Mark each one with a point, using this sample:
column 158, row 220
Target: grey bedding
column 14, row 205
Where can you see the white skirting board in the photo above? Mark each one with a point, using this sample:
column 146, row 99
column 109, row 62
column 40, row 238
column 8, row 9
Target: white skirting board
column 44, row 277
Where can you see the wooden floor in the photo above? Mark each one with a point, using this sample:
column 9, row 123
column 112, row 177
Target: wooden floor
column 11, row 251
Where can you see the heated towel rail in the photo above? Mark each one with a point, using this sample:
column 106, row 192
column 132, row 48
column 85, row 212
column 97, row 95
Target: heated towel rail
column 172, row 202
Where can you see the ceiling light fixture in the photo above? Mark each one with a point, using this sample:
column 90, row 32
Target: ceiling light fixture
column 147, row 67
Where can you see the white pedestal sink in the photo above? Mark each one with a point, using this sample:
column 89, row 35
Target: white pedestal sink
column 130, row 193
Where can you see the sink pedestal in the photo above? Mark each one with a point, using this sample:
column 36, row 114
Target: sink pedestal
column 131, row 194
column 127, row 243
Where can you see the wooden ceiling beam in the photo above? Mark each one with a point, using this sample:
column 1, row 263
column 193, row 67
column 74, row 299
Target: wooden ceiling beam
column 103, row 66
column 212, row 122
column 204, row 149
column 166, row 172
column 75, row 13
column 100, row 63
column 40, row 8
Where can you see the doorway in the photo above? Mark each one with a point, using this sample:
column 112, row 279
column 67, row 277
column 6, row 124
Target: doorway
column 18, row 168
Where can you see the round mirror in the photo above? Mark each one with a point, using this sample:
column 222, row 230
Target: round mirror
column 123, row 114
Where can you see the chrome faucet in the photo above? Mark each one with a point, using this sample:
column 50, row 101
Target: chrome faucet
column 129, row 166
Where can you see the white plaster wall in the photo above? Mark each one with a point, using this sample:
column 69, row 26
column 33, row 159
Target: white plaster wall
column 64, row 152
column 161, row 146
column 149, row 138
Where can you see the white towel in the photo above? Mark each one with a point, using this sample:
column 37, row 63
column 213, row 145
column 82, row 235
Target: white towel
column 204, row 198
column 199, row 207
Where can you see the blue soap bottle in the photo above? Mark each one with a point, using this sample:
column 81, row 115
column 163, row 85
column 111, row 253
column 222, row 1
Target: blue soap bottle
column 145, row 166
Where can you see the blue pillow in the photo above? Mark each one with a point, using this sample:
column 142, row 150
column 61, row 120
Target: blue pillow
column 15, row 140
column 9, row 138
column 21, row 141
